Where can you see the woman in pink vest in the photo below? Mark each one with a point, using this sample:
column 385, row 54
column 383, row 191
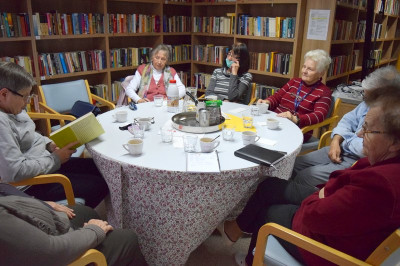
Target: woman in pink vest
column 152, row 78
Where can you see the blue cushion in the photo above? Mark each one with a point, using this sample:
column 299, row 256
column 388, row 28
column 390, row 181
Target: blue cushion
column 276, row 255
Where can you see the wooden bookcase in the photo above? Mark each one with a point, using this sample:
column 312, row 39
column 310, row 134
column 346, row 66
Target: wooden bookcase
column 388, row 42
column 33, row 46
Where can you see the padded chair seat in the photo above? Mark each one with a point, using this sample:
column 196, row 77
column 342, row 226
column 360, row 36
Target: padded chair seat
column 276, row 255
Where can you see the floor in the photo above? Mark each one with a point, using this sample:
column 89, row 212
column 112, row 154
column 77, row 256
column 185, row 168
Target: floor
column 212, row 252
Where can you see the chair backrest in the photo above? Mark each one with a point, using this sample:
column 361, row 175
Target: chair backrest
column 62, row 96
column 388, row 252
column 334, row 109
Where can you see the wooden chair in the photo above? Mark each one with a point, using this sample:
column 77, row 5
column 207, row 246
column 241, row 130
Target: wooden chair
column 327, row 124
column 387, row 252
column 92, row 255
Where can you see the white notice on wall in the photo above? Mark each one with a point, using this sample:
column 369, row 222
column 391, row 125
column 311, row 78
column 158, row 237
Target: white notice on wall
column 318, row 24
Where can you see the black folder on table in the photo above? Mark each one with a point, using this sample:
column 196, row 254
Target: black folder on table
column 260, row 155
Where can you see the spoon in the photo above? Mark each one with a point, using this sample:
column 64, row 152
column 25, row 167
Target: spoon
column 215, row 138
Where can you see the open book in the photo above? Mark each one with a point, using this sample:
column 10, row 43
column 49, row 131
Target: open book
column 83, row 129
column 260, row 155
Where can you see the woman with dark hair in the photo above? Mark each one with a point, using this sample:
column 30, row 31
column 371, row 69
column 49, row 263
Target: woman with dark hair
column 232, row 81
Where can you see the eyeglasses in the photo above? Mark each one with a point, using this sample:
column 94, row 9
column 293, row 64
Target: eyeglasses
column 231, row 54
column 365, row 131
column 27, row 98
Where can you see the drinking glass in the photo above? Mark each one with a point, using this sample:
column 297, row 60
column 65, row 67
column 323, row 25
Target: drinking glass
column 189, row 143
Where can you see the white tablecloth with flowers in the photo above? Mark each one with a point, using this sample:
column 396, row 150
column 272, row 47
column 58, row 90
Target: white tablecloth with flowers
column 171, row 210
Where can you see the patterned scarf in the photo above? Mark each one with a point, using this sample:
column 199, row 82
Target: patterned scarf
column 146, row 79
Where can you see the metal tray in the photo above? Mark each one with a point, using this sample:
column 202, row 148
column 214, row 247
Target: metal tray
column 186, row 122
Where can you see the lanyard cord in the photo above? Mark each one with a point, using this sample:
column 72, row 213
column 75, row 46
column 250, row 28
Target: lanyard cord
column 299, row 99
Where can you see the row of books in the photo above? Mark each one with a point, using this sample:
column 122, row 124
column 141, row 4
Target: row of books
column 271, row 62
column 263, row 91
column 54, row 23
column 342, row 30
column 377, row 55
column 103, row 91
column 68, row 62
column 279, row 27
column 343, row 63
column 33, row 106
column 210, row 53
column 180, row 52
column 214, row 1
column 216, row 25
column 201, row 80
column 133, row 23
column 131, row 56
column 14, row 25
column 390, row 7
column 177, row 24
column 24, row 61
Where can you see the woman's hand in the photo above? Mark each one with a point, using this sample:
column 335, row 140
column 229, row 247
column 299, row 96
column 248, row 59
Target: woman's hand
column 321, row 193
column 65, row 152
column 235, row 68
column 51, row 146
column 263, row 101
column 143, row 100
column 289, row 116
column 100, row 223
column 61, row 208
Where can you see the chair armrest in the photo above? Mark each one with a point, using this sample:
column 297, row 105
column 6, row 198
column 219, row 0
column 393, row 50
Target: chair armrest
column 103, row 101
column 91, row 256
column 55, row 116
column 327, row 121
column 252, row 101
column 299, row 240
column 47, row 108
column 202, row 96
column 324, row 138
column 51, row 178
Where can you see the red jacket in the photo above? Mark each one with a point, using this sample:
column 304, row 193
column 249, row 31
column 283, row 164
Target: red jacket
column 312, row 109
column 360, row 209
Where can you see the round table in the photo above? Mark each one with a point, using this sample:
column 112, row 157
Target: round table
column 171, row 210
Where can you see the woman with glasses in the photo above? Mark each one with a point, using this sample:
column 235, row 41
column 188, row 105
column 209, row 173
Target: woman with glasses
column 353, row 212
column 153, row 78
column 304, row 101
column 25, row 153
column 232, row 81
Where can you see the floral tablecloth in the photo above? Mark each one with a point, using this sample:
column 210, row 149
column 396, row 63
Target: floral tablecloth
column 173, row 212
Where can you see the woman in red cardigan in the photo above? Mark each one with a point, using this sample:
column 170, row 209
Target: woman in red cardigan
column 306, row 100
column 353, row 212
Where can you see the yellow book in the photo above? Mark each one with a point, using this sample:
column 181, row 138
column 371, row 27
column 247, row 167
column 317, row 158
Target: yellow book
column 84, row 129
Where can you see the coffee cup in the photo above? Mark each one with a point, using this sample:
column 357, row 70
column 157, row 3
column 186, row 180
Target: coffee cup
column 134, row 146
column 145, row 122
column 272, row 123
column 120, row 116
column 249, row 137
column 263, row 107
column 208, row 144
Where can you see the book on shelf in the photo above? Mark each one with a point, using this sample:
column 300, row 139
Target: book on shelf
column 84, row 129
column 260, row 155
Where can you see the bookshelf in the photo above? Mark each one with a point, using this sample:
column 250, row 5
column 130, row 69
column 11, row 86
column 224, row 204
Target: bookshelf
column 345, row 40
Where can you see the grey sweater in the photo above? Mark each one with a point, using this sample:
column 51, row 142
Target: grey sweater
column 31, row 233
column 23, row 151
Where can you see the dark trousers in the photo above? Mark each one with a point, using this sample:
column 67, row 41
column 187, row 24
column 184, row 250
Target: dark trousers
column 275, row 200
column 120, row 246
column 86, row 180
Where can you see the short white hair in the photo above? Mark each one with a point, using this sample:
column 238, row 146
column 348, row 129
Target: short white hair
column 321, row 57
column 381, row 77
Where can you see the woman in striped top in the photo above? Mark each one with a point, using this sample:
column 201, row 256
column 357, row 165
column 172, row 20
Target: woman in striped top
column 232, row 81
column 306, row 100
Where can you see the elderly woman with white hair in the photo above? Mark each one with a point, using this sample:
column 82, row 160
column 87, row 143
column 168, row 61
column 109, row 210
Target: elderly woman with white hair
column 153, row 78
column 306, row 100
column 345, row 147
